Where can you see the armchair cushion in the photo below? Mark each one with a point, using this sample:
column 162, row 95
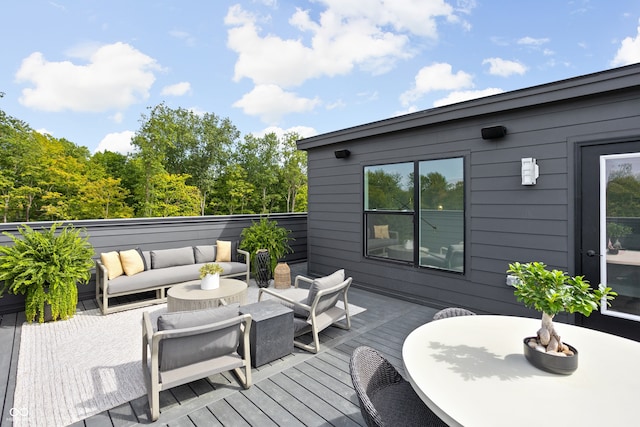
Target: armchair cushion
column 319, row 284
column 326, row 282
column 188, row 350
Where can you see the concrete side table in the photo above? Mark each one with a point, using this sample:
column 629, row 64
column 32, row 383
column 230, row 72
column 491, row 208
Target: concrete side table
column 271, row 334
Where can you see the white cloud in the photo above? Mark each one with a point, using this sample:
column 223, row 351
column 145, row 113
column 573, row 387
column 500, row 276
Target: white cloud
column 118, row 142
column 303, row 131
column 117, row 117
column 346, row 35
column 270, row 102
column 460, row 96
column 531, row 41
column 184, row 36
column 629, row 51
column 339, row 44
column 436, row 77
column 115, row 76
column 503, row 67
column 43, row 131
column 334, row 105
column 408, row 110
column 177, row 89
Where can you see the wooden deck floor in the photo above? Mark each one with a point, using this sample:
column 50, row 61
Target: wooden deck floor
column 302, row 389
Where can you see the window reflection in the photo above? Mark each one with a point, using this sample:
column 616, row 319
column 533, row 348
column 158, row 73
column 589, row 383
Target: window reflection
column 621, row 238
column 391, row 212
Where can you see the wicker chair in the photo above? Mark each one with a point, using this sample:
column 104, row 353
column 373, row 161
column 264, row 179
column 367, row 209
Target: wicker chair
column 452, row 312
column 386, row 399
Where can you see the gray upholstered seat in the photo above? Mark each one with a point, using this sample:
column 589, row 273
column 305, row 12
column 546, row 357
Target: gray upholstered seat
column 451, row 312
column 316, row 310
column 386, row 399
column 191, row 345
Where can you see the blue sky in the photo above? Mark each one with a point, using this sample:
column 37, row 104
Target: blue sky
column 87, row 70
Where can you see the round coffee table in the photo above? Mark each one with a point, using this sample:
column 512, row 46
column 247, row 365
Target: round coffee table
column 188, row 296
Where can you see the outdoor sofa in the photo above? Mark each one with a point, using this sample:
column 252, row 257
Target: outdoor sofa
column 135, row 271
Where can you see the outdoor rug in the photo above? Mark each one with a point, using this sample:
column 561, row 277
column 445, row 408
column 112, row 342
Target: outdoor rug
column 70, row 370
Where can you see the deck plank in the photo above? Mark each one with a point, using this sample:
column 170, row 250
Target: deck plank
column 226, row 414
column 271, row 408
column 299, row 389
column 204, row 417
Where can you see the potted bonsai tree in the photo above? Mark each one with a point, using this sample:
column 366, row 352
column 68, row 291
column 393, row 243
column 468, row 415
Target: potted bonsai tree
column 210, row 276
column 615, row 232
column 46, row 267
column 266, row 234
column 552, row 292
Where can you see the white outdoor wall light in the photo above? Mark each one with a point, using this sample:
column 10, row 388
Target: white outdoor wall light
column 530, row 171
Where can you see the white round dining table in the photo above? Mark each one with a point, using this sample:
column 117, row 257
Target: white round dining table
column 471, row 371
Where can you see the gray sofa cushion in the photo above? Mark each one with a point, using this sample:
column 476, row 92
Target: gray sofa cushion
column 167, row 276
column 146, row 255
column 178, row 352
column 204, row 253
column 164, row 258
column 154, row 278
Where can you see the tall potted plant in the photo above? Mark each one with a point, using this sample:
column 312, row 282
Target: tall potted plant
column 552, row 292
column 46, row 267
column 266, row 234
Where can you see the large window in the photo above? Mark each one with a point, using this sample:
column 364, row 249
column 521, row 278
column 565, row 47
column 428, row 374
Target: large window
column 414, row 213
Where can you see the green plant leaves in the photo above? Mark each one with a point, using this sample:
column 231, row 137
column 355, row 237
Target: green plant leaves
column 266, row 234
column 554, row 291
column 46, row 265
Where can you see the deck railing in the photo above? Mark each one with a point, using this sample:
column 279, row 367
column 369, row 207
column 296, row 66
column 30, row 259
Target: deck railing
column 162, row 233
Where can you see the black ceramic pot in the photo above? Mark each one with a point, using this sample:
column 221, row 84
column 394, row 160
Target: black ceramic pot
column 563, row 365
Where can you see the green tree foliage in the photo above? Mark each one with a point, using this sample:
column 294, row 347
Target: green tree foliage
column 294, row 173
column 183, row 164
column 623, row 193
column 178, row 141
column 385, row 191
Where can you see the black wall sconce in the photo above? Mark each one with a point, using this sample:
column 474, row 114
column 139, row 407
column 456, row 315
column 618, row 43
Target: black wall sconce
column 342, row 154
column 493, row 132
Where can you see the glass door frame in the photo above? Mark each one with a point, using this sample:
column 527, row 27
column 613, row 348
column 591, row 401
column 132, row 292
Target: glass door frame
column 603, row 233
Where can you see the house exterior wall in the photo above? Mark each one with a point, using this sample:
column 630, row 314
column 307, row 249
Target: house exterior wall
column 504, row 221
column 161, row 233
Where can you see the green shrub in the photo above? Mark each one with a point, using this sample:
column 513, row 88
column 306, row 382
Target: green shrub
column 46, row 267
column 266, row 234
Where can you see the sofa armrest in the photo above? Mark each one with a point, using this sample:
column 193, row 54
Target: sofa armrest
column 246, row 255
column 101, row 275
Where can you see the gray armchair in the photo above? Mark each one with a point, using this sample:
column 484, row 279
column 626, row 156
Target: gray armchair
column 191, row 345
column 316, row 310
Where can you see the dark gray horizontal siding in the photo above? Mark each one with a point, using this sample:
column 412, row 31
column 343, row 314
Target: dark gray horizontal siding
column 164, row 233
column 505, row 221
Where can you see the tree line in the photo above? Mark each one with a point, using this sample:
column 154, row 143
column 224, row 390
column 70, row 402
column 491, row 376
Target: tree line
column 183, row 164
